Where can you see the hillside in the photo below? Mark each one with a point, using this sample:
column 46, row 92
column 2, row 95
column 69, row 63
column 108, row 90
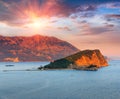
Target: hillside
column 34, row 48
column 85, row 60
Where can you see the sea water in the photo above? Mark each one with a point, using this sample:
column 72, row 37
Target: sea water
column 20, row 66
column 58, row 84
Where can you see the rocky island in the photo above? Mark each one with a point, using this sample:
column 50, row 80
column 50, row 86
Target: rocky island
column 83, row 60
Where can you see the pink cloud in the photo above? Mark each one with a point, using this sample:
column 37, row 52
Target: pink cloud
column 64, row 28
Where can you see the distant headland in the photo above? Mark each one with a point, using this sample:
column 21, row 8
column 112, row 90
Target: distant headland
column 34, row 48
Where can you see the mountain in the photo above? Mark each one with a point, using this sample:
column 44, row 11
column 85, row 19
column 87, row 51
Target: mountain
column 83, row 60
column 34, row 48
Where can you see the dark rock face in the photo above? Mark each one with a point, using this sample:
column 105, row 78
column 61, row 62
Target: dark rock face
column 34, row 48
column 83, row 60
column 89, row 68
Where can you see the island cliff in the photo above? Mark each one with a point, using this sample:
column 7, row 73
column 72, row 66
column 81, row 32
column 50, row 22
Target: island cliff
column 83, row 60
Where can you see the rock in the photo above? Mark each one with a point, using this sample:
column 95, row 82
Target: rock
column 89, row 68
column 87, row 58
column 12, row 59
column 83, row 60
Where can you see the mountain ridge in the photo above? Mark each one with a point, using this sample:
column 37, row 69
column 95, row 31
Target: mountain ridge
column 34, row 48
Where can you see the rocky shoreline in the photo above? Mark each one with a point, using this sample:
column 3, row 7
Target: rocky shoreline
column 81, row 68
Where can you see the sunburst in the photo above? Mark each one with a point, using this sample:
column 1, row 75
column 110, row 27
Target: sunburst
column 37, row 23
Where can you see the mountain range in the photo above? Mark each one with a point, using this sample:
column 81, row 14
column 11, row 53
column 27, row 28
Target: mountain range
column 34, row 48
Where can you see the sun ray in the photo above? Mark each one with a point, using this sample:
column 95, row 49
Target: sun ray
column 37, row 24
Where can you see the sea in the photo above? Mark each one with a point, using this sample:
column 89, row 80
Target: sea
column 23, row 81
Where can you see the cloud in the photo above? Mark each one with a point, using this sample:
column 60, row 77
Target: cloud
column 64, row 28
column 20, row 12
column 110, row 25
column 88, row 30
column 113, row 5
column 116, row 16
column 95, row 31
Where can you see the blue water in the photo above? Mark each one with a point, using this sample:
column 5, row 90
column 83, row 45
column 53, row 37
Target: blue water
column 20, row 66
column 61, row 84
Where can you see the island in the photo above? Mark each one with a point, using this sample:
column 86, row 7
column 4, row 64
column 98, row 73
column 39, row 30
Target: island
column 84, row 60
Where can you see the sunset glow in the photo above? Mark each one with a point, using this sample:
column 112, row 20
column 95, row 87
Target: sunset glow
column 85, row 24
column 36, row 24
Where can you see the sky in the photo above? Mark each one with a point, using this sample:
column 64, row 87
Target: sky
column 86, row 24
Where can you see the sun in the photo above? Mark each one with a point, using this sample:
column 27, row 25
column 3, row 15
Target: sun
column 37, row 23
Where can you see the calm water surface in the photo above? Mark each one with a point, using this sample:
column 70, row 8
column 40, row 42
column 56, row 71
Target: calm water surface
column 59, row 84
